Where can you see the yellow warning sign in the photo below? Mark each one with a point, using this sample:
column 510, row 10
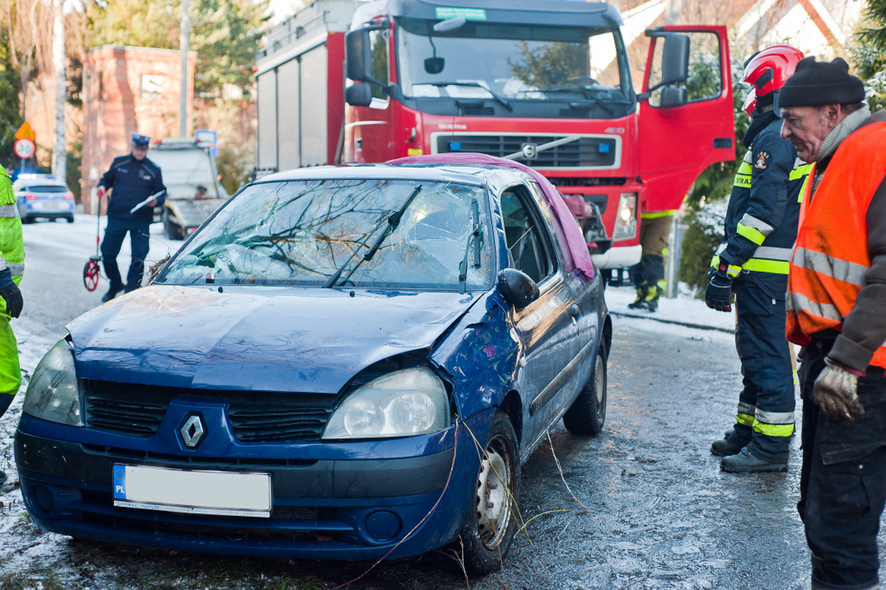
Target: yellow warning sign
column 25, row 132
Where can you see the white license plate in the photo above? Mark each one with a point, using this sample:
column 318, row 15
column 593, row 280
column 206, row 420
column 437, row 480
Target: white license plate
column 195, row 492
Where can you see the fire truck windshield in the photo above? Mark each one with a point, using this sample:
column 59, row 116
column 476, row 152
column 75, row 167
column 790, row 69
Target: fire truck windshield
column 514, row 64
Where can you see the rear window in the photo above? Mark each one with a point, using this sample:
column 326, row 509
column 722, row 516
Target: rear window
column 46, row 188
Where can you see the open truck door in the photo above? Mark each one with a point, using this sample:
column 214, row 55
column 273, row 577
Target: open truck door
column 687, row 115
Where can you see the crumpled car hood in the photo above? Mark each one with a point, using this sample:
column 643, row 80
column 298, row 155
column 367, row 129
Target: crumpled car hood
column 255, row 338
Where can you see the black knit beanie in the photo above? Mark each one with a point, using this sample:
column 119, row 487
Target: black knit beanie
column 816, row 83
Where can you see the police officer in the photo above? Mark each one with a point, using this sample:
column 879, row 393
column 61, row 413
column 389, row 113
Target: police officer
column 752, row 262
column 12, row 266
column 133, row 179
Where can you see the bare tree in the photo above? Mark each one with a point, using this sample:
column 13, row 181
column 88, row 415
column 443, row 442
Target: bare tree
column 59, row 153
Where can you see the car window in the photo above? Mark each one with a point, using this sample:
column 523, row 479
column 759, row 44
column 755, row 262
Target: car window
column 46, row 188
column 319, row 232
column 527, row 239
column 187, row 167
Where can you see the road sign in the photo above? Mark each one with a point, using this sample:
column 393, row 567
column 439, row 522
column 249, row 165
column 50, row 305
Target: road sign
column 23, row 148
column 25, row 132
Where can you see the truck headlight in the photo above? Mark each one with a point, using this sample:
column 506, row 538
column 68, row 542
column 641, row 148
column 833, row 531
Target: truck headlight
column 403, row 403
column 625, row 217
column 53, row 393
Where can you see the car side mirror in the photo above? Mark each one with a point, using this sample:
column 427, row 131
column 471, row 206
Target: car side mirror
column 517, row 288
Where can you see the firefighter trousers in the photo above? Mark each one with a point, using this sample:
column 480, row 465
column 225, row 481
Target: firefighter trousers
column 842, row 480
column 766, row 404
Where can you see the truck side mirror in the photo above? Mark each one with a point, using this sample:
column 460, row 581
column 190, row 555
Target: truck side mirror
column 358, row 95
column 675, row 59
column 517, row 288
column 357, row 55
column 672, row 97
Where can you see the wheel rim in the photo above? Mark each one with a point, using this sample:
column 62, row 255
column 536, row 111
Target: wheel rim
column 90, row 275
column 493, row 500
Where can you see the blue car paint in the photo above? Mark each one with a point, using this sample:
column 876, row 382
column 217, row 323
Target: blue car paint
column 255, row 338
column 176, row 336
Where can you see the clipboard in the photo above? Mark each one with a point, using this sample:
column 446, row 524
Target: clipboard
column 146, row 201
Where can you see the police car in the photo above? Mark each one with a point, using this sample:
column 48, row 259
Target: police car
column 43, row 196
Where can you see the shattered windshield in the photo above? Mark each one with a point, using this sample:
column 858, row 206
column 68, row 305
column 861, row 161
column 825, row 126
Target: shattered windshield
column 378, row 233
column 512, row 62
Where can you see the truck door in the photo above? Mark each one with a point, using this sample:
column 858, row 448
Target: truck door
column 681, row 135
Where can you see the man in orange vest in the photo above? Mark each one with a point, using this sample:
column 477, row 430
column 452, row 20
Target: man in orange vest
column 836, row 310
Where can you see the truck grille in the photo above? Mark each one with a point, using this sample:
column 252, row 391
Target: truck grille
column 580, row 152
column 138, row 410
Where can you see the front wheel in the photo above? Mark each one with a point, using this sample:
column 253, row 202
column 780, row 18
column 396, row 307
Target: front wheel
column 587, row 413
column 492, row 518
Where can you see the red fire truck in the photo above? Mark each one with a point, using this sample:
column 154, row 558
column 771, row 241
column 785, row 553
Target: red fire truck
column 545, row 82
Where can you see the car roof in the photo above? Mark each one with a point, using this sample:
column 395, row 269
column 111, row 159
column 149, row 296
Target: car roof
column 463, row 173
column 24, row 179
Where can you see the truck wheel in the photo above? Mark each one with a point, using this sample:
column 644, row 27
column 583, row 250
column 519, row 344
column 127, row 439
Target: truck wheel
column 173, row 231
column 492, row 520
column 588, row 412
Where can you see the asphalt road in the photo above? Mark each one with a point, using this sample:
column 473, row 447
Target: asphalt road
column 642, row 506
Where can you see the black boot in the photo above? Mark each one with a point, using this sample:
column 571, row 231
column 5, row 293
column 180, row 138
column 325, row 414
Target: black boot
column 726, row 447
column 745, row 462
column 112, row 292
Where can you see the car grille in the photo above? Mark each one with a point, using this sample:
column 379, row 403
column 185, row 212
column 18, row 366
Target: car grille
column 583, row 152
column 138, row 410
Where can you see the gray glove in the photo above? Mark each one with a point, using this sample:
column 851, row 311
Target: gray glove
column 836, row 392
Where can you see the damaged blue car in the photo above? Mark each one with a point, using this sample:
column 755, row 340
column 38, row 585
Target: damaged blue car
column 342, row 362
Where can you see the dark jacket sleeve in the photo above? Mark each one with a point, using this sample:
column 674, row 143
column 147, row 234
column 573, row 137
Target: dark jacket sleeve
column 108, row 178
column 772, row 159
column 864, row 329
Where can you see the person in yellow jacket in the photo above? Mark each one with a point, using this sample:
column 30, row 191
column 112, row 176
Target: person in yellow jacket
column 836, row 310
column 12, row 265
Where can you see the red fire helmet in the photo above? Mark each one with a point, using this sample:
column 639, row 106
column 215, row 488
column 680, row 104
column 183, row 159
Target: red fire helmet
column 767, row 71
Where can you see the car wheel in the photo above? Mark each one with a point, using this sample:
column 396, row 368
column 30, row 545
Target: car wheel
column 27, row 219
column 173, row 231
column 588, row 412
column 70, row 219
column 492, row 520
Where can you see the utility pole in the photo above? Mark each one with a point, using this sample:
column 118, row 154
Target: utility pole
column 185, row 47
column 59, row 153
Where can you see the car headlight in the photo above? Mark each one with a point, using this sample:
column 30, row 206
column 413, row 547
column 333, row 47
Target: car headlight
column 53, row 393
column 403, row 403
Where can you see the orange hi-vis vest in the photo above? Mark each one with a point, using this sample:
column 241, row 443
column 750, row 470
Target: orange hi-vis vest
column 831, row 253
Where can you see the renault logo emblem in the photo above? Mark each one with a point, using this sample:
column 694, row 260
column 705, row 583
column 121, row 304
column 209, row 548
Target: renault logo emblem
column 529, row 150
column 192, row 431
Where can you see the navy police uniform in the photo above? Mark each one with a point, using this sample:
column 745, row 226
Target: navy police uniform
column 760, row 229
column 133, row 181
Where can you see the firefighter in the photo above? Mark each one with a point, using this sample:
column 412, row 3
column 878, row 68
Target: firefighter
column 752, row 262
column 12, row 266
column 648, row 274
column 134, row 178
column 835, row 310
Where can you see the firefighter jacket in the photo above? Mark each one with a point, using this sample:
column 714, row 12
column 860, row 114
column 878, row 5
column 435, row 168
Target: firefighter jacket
column 833, row 255
column 764, row 208
column 133, row 181
column 12, row 256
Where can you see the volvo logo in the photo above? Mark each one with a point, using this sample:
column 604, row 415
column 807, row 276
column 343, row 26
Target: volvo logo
column 192, row 431
column 529, row 150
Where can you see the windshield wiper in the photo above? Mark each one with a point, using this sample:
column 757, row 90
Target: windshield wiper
column 475, row 238
column 393, row 222
column 495, row 95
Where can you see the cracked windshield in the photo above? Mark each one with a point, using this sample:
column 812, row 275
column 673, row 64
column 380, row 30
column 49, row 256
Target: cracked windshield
column 361, row 233
column 511, row 62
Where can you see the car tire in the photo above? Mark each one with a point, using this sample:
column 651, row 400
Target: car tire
column 492, row 519
column 173, row 231
column 587, row 413
column 27, row 219
column 70, row 219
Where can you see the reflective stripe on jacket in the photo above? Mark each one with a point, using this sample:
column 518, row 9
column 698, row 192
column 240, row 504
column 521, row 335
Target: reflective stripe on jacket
column 763, row 211
column 12, row 247
column 831, row 257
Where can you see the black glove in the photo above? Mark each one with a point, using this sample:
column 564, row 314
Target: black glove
column 11, row 293
column 719, row 292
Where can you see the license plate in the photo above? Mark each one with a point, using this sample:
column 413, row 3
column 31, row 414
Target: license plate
column 222, row 493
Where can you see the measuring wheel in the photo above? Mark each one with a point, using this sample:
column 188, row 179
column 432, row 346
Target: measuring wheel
column 91, row 274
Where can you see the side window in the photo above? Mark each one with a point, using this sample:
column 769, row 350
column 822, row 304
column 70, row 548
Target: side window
column 705, row 81
column 527, row 239
column 379, row 44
